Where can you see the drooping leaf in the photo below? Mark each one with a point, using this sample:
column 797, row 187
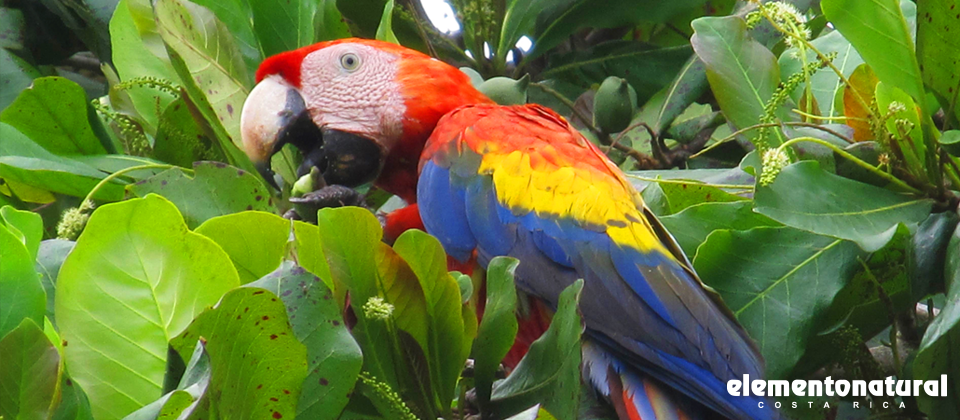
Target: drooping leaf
column 255, row 241
column 28, row 374
column 938, row 48
column 21, row 295
column 50, row 257
column 26, row 225
column 53, row 113
column 333, row 357
column 215, row 189
column 136, row 277
column 806, row 197
column 498, row 327
column 23, row 161
column 728, row 52
column 16, row 75
column 776, row 280
column 937, row 354
column 864, row 22
column 550, row 371
column 691, row 226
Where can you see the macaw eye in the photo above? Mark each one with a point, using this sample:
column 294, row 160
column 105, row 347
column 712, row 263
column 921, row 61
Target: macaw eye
column 350, row 61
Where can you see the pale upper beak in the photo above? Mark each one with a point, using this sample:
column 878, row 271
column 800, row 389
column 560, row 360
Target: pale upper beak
column 275, row 114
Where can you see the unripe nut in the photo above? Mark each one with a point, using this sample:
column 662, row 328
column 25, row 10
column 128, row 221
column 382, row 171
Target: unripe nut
column 614, row 105
column 506, row 91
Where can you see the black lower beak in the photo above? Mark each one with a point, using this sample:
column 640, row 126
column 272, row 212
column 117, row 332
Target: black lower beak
column 346, row 159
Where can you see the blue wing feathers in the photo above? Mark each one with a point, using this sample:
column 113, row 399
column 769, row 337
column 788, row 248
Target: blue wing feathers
column 644, row 318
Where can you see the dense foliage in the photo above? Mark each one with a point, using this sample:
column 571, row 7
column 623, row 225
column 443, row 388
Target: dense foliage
column 809, row 170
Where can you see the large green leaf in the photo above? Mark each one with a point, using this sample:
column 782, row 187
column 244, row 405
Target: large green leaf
column 215, row 189
column 138, row 51
column 282, row 25
column 329, row 23
column 691, row 226
column 937, row 355
column 777, row 280
column 333, row 357
column 27, row 225
column 556, row 22
column 211, row 69
column 28, row 374
column 865, row 23
column 255, row 241
column 498, row 327
column 21, row 295
column 136, row 278
column 24, row 161
column 742, row 72
column 53, row 113
column 50, row 257
column 806, row 197
column 446, row 351
column 938, row 49
column 180, row 140
column 257, row 364
column 550, row 371
column 17, row 75
column 189, row 399
column 824, row 83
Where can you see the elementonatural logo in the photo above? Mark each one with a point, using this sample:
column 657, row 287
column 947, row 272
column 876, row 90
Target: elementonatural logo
column 888, row 387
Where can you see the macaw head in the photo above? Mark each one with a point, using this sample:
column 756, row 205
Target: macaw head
column 356, row 109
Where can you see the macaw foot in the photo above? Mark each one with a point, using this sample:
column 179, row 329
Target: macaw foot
column 306, row 206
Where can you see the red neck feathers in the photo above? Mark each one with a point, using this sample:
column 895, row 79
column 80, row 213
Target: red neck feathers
column 433, row 89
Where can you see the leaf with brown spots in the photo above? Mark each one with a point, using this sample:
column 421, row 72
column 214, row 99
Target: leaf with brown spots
column 248, row 369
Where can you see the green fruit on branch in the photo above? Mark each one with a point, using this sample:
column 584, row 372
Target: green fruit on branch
column 614, row 105
column 506, row 91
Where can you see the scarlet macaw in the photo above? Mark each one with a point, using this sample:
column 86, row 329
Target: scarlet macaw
column 490, row 180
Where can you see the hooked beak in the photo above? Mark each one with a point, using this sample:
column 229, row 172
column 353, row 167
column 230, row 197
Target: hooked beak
column 275, row 114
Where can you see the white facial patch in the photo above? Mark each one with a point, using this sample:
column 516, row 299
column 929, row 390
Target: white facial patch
column 364, row 100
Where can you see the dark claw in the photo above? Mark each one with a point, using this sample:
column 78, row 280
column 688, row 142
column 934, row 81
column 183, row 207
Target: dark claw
column 329, row 196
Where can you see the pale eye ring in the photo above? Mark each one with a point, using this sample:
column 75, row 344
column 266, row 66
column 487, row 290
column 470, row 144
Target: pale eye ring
column 349, row 61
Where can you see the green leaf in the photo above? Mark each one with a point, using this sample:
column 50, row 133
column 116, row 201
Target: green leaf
column 29, row 373
column 255, row 241
column 188, row 399
column 214, row 190
column 446, row 352
column 777, row 280
column 806, row 197
column 691, row 226
column 864, row 22
column 27, row 225
column 682, row 196
column 550, row 371
column 53, row 113
column 329, row 23
column 74, row 404
column 310, row 254
column 17, row 75
column 21, row 295
column 114, row 163
column 211, row 69
column 824, row 83
column 743, row 74
column 533, row 413
column 257, row 364
column 937, row 354
column 282, row 25
column 937, row 50
column 910, row 143
column 136, row 277
column 385, row 30
column 180, row 140
column 498, row 327
column 333, row 357
column 647, row 69
column 138, row 51
column 50, row 257
column 24, row 161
